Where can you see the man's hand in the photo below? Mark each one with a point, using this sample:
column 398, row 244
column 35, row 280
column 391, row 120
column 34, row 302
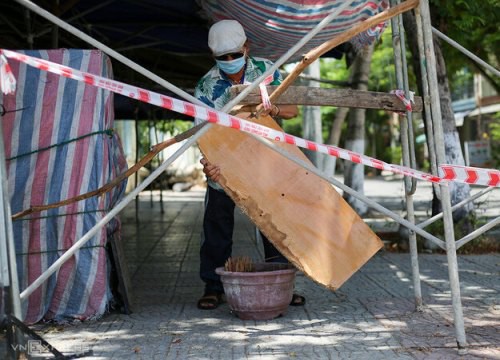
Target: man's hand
column 210, row 170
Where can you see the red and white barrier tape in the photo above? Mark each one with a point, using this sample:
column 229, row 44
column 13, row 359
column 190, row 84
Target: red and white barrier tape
column 7, row 79
column 402, row 96
column 456, row 173
column 264, row 95
column 470, row 175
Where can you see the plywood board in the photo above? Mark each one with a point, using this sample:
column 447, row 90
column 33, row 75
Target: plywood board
column 300, row 213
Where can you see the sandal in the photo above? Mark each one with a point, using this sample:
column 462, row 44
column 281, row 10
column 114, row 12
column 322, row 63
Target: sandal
column 210, row 301
column 298, row 300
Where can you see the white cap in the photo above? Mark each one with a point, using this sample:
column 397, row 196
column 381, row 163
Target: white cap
column 226, row 36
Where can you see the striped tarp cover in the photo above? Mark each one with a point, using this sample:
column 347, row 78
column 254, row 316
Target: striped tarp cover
column 52, row 110
column 273, row 27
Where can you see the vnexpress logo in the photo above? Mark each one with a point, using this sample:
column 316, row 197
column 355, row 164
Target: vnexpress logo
column 36, row 347
column 32, row 347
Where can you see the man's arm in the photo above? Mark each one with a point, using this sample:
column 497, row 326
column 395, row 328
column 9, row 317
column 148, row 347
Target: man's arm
column 284, row 111
column 210, row 170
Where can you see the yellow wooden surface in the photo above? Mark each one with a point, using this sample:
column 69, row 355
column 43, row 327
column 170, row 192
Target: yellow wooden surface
column 300, row 213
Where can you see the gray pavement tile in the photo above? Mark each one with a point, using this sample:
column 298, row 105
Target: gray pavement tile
column 372, row 316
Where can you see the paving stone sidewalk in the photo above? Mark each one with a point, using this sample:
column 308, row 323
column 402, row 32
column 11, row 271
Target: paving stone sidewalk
column 372, row 316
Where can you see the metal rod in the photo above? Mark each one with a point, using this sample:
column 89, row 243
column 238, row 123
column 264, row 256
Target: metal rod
column 426, row 101
column 477, row 232
column 429, row 221
column 350, row 191
column 465, row 51
column 399, row 66
column 409, row 114
column 407, row 139
column 445, row 191
column 4, row 261
column 4, row 218
column 136, row 174
column 8, row 234
column 55, row 28
column 112, row 213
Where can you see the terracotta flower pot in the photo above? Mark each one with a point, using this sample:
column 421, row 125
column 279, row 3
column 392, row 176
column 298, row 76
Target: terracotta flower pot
column 259, row 295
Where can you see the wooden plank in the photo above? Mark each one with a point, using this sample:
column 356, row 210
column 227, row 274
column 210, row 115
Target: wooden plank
column 303, row 95
column 300, row 213
column 489, row 100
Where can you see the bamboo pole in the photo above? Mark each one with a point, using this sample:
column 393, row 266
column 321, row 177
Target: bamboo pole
column 449, row 234
column 408, row 147
column 116, row 181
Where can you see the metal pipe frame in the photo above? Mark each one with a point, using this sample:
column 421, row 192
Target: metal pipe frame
column 407, row 140
column 56, row 265
column 493, row 223
column 426, row 100
column 478, row 232
column 465, row 51
column 4, row 261
column 445, row 191
column 429, row 221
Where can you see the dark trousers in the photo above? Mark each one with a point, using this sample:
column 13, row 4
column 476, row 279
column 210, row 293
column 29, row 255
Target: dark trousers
column 217, row 239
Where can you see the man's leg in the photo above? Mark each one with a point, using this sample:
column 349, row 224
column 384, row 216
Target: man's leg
column 217, row 238
column 271, row 254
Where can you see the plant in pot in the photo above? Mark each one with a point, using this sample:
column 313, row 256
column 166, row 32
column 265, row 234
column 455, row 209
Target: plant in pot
column 257, row 291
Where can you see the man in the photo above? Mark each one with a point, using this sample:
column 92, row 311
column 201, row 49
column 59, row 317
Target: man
column 229, row 46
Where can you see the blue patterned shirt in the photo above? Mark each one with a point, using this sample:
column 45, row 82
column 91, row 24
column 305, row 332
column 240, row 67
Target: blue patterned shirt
column 213, row 88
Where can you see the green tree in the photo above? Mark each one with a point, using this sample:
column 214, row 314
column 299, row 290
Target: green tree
column 474, row 25
column 355, row 137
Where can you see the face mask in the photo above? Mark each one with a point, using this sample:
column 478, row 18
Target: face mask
column 231, row 66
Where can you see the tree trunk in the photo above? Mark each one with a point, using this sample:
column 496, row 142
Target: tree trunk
column 453, row 151
column 329, row 162
column 355, row 140
column 311, row 123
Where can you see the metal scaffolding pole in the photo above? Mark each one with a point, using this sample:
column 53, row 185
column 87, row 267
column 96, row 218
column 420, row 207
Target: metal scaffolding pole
column 408, row 148
column 426, row 101
column 451, row 253
column 429, row 221
column 6, row 234
column 466, row 52
column 8, row 262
